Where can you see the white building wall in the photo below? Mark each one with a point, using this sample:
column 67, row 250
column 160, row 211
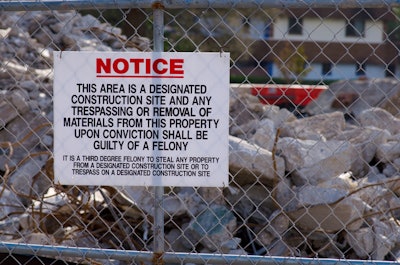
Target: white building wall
column 376, row 71
column 339, row 71
column 327, row 30
column 257, row 29
column 323, row 30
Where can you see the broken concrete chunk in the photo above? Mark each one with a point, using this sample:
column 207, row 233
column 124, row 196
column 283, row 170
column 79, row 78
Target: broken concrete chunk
column 279, row 223
column 142, row 197
column 319, row 127
column 279, row 116
column 389, row 151
column 23, row 135
column 213, row 227
column 263, row 237
column 12, row 104
column 211, row 195
column 19, row 99
column 27, row 178
column 172, row 205
column 265, row 135
column 344, row 214
column 249, row 163
column 176, row 241
column 362, row 241
column 313, row 161
column 231, row 244
column 8, row 113
column 244, row 131
column 251, row 197
column 11, row 203
column 380, row 118
column 343, row 182
column 365, row 141
column 243, row 106
column 285, row 195
column 363, row 94
column 39, row 239
column 309, row 195
column 376, row 240
column 312, row 195
column 386, row 235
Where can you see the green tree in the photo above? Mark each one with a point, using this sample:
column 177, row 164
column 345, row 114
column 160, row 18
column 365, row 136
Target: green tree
column 393, row 26
column 292, row 62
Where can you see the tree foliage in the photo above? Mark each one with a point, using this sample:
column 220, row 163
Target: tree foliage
column 292, row 62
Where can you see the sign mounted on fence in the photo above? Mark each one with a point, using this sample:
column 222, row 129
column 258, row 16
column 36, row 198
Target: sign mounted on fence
column 141, row 119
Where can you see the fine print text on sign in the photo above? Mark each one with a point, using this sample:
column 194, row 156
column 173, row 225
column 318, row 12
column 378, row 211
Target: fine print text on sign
column 141, row 119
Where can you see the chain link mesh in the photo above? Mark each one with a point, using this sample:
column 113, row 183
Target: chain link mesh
column 314, row 139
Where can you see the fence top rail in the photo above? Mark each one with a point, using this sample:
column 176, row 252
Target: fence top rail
column 34, row 5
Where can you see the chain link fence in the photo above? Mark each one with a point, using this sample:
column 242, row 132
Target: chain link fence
column 314, row 136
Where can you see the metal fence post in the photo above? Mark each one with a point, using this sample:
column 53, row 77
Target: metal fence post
column 158, row 41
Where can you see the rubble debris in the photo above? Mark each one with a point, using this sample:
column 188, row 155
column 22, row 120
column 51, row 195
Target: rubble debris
column 330, row 217
column 380, row 118
column 313, row 161
column 213, row 227
column 354, row 96
column 331, row 184
column 249, row 163
column 365, row 140
column 318, row 127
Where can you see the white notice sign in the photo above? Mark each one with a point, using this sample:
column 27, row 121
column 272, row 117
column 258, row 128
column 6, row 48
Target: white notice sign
column 141, row 119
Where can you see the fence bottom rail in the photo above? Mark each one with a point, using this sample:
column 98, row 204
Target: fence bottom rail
column 60, row 252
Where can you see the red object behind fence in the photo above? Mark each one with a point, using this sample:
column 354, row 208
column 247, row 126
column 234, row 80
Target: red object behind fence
column 278, row 94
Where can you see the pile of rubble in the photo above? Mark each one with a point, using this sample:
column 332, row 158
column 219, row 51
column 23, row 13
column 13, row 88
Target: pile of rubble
column 34, row 209
column 317, row 186
column 354, row 96
column 327, row 187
